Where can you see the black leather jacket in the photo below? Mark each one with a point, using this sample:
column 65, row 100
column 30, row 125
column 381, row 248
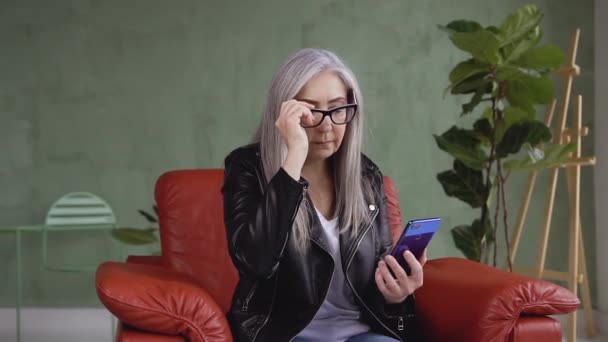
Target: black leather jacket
column 280, row 291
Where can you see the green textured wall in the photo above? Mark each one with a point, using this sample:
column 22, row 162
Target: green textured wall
column 106, row 95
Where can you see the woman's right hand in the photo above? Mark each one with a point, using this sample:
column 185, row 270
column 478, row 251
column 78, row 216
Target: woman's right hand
column 293, row 112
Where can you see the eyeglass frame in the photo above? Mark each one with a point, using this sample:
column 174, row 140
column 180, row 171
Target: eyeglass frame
column 330, row 112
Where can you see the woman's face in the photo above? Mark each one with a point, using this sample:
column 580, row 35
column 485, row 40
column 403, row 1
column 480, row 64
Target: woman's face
column 324, row 91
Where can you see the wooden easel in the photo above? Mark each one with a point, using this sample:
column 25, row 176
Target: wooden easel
column 577, row 266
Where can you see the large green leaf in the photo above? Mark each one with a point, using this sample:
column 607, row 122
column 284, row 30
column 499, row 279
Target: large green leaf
column 483, row 128
column 514, row 114
column 494, row 30
column 463, row 145
column 526, row 91
column 517, row 73
column 466, row 241
column 484, row 232
column 474, row 84
column 520, row 23
column 508, row 73
column 135, row 236
column 488, row 113
column 481, row 44
column 467, row 76
column 466, row 69
column 554, row 154
column 511, row 115
column 514, row 50
column 548, row 56
column 539, row 133
column 149, row 217
column 462, row 26
column 512, row 140
column 471, row 239
column 464, row 183
column 475, row 100
column 531, row 132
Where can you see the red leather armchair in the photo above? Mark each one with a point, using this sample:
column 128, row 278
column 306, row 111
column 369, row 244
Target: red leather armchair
column 184, row 294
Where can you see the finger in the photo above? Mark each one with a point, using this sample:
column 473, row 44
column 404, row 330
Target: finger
column 288, row 106
column 307, row 117
column 423, row 259
column 297, row 109
column 283, row 105
column 306, row 104
column 292, row 115
column 307, row 120
column 299, row 113
column 283, row 113
column 414, row 265
column 396, row 268
column 390, row 282
column 380, row 282
column 289, row 102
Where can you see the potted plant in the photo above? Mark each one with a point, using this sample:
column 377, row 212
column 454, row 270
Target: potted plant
column 139, row 236
column 506, row 75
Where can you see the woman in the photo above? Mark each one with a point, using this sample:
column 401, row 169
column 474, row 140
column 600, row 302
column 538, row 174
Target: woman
column 306, row 218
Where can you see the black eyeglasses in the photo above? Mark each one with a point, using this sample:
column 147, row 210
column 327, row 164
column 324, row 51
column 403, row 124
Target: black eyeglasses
column 338, row 115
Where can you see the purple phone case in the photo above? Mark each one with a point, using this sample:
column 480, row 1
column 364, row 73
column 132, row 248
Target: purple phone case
column 415, row 237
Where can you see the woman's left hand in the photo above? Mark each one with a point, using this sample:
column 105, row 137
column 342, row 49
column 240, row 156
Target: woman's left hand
column 396, row 289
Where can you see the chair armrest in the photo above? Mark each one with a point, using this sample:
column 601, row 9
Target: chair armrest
column 126, row 333
column 155, row 299
column 145, row 259
column 462, row 300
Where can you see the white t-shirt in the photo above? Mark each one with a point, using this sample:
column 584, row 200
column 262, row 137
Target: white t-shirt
column 338, row 318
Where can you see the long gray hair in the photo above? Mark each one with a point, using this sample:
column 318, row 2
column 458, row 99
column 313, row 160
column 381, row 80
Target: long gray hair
column 350, row 188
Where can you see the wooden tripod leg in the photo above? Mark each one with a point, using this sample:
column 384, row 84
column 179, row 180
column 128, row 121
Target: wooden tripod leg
column 583, row 273
column 573, row 250
column 574, row 191
column 544, row 236
column 587, row 305
column 523, row 210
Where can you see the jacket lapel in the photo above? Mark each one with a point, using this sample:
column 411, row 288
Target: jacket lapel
column 349, row 243
column 317, row 234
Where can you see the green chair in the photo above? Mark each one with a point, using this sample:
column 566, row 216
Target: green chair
column 75, row 211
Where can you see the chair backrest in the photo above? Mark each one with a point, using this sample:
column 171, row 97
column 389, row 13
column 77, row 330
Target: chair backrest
column 193, row 237
column 393, row 210
column 80, row 209
column 192, row 231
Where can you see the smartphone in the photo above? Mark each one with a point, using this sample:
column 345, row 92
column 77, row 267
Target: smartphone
column 416, row 236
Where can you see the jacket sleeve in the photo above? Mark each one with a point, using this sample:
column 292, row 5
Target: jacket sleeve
column 258, row 221
column 400, row 318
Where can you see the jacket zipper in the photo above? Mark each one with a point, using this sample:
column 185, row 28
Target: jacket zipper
column 249, row 296
column 400, row 327
column 277, row 276
column 269, row 311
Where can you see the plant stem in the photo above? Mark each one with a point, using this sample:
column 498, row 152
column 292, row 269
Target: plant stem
column 496, row 210
column 498, row 117
column 484, row 208
column 504, row 216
